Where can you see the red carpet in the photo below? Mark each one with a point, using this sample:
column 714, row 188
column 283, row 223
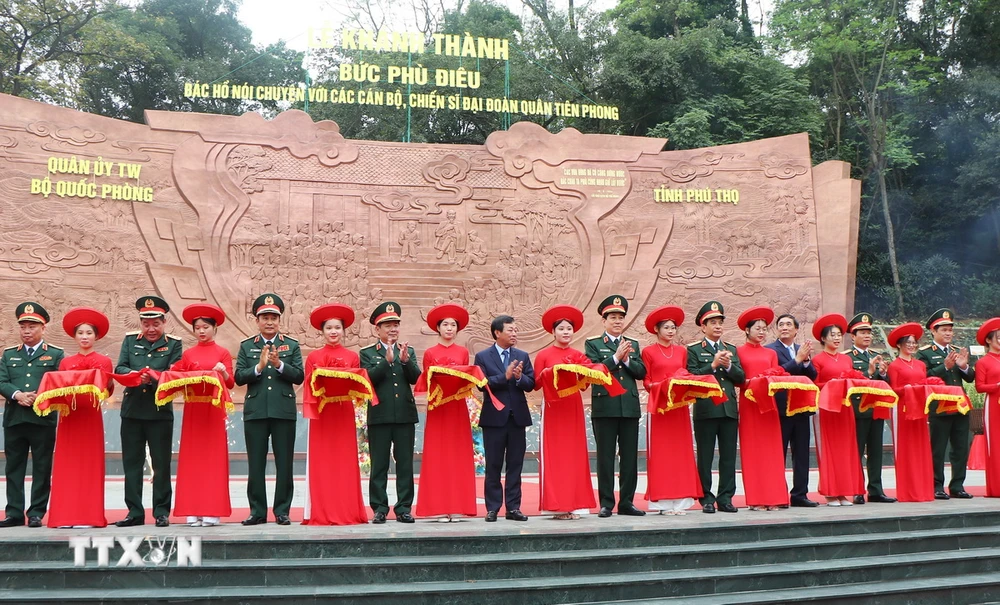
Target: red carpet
column 529, row 503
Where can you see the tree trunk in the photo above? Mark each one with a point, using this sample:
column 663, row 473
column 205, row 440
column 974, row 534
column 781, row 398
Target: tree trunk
column 572, row 16
column 890, row 235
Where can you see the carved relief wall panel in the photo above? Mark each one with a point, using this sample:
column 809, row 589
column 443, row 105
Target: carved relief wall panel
column 241, row 205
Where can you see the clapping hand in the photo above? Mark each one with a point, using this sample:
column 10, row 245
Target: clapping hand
column 264, row 354
column 404, row 352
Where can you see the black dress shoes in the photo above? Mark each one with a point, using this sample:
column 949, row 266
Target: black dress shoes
column 404, row 518
column 162, row 521
column 708, row 508
column 11, row 522
column 859, row 499
column 630, row 510
column 282, row 520
column 804, row 503
column 254, row 520
column 940, row 495
column 605, row 512
column 727, row 507
column 130, row 522
column 34, row 521
column 880, row 498
column 491, row 516
column 379, row 518
column 964, row 495
column 515, row 515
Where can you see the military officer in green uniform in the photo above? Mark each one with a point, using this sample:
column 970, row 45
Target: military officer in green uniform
column 716, row 423
column 869, row 430
column 143, row 422
column 616, row 419
column 270, row 365
column 950, row 364
column 21, row 371
column 392, row 367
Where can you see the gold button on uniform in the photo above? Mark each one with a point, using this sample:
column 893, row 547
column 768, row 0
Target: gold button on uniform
column 149, row 355
column 29, row 365
column 28, row 375
column 268, row 388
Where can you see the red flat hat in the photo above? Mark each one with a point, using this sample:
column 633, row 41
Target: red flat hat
column 324, row 313
column 559, row 313
column 908, row 329
column 753, row 314
column 85, row 315
column 830, row 319
column 203, row 311
column 675, row 314
column 447, row 311
column 986, row 328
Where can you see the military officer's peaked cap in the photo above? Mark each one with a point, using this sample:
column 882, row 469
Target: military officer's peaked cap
column 31, row 311
column 941, row 317
column 387, row 311
column 861, row 321
column 616, row 303
column 712, row 308
column 151, row 307
column 268, row 303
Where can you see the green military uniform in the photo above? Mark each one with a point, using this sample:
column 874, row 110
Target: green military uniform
column 269, row 413
column 616, row 419
column 391, row 423
column 23, row 430
column 951, row 427
column 869, row 430
column 143, row 422
column 716, row 423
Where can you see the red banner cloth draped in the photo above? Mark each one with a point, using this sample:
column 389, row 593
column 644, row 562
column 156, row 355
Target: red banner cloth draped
column 803, row 395
column 875, row 395
column 444, row 384
column 64, row 391
column 574, row 377
column 200, row 386
column 682, row 389
column 339, row 385
column 134, row 379
column 916, row 399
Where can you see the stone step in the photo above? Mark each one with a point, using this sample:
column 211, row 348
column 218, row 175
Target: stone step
column 956, row 589
column 285, row 571
column 330, row 543
column 721, row 583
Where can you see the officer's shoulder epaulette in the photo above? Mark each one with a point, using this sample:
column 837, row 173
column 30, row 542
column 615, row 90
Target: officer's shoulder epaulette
column 925, row 347
column 171, row 336
column 596, row 337
column 295, row 340
column 52, row 346
column 368, row 347
column 877, row 352
column 11, row 347
column 852, row 352
column 132, row 333
column 691, row 344
column 248, row 338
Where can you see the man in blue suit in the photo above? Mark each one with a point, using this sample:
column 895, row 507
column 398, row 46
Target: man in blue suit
column 510, row 376
column 794, row 429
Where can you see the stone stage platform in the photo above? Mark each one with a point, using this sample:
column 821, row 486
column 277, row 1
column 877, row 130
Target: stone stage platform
column 935, row 552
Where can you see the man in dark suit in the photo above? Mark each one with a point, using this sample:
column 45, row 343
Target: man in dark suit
column 794, row 429
column 716, row 423
column 510, row 376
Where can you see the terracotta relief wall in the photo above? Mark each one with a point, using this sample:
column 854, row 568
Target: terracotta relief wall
column 241, row 205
